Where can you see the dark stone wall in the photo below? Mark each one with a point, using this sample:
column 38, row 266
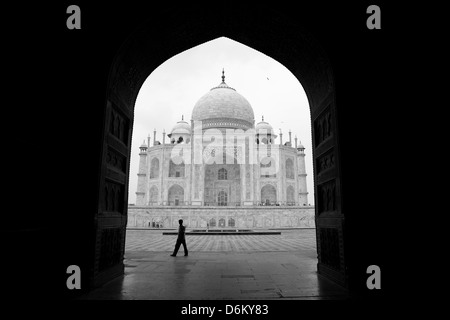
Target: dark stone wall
column 59, row 80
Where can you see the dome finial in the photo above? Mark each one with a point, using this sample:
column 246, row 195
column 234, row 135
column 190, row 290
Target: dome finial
column 223, row 75
column 262, row 118
column 182, row 117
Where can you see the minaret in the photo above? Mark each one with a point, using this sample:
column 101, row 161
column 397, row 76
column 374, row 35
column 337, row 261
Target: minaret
column 148, row 140
column 290, row 138
column 142, row 175
column 281, row 138
column 302, row 189
column 154, row 137
column 295, row 142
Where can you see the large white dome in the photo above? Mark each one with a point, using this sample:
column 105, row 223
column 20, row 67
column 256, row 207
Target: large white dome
column 223, row 107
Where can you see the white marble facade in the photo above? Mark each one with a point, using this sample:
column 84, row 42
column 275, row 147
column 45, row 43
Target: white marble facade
column 222, row 165
column 226, row 218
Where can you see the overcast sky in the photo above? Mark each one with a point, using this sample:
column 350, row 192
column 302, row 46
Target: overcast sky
column 173, row 88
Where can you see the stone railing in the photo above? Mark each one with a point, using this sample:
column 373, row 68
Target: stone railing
column 229, row 204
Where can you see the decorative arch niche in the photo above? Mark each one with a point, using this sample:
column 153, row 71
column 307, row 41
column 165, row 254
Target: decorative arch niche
column 175, row 195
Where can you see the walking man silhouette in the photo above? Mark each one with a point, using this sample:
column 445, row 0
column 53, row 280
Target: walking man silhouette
column 180, row 240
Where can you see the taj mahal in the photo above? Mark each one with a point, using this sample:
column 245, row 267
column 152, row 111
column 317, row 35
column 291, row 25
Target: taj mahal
column 222, row 171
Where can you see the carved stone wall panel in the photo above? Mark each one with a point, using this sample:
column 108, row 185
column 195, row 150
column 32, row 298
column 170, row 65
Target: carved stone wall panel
column 119, row 125
column 110, row 247
column 116, row 176
column 325, row 165
column 116, row 160
column 327, row 197
column 114, row 143
column 113, row 197
column 329, row 248
column 323, row 127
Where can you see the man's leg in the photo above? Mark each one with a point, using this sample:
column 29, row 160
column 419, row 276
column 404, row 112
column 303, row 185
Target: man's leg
column 185, row 247
column 177, row 246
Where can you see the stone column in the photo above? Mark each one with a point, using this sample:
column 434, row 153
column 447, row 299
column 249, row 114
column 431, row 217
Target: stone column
column 303, row 192
column 161, row 176
column 242, row 181
column 191, row 166
column 141, row 193
column 247, row 181
column 282, row 177
column 257, row 180
column 296, row 172
column 197, row 178
column 252, row 199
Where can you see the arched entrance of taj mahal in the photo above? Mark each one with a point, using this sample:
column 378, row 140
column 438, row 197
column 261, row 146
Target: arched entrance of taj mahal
column 140, row 55
column 68, row 159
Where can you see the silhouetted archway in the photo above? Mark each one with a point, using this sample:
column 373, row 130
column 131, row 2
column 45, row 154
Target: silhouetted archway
column 149, row 47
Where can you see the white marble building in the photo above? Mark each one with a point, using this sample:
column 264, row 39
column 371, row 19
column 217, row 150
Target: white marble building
column 222, row 162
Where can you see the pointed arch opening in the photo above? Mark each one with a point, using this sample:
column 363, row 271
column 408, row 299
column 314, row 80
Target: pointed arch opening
column 310, row 66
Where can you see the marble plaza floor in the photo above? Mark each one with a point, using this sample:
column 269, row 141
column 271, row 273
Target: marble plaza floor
column 220, row 267
column 289, row 240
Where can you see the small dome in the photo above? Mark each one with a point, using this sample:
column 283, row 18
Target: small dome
column 143, row 145
column 264, row 128
column 182, row 127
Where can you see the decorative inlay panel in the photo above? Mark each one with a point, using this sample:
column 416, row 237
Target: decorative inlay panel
column 116, row 159
column 327, row 196
column 329, row 247
column 110, row 250
column 323, row 127
column 113, row 197
column 118, row 125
